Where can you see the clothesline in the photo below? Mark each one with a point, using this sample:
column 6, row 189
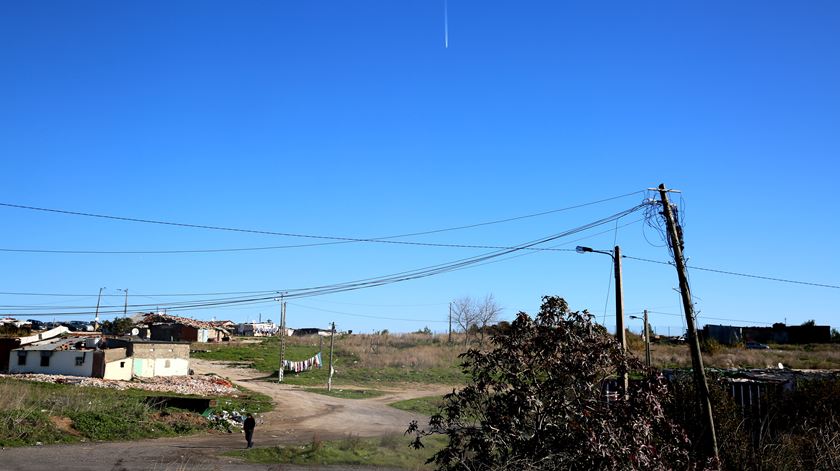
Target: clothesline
column 303, row 365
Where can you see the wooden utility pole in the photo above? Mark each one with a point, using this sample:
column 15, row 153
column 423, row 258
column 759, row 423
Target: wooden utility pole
column 700, row 384
column 125, row 307
column 332, row 338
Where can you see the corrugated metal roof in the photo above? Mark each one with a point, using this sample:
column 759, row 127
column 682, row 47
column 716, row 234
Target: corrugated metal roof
column 59, row 344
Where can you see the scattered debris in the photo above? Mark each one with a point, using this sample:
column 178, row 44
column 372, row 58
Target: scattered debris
column 209, row 385
column 224, row 420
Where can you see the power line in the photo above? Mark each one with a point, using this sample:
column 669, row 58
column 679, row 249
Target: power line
column 704, row 317
column 334, row 239
column 392, row 278
column 746, row 275
column 148, row 252
column 528, row 251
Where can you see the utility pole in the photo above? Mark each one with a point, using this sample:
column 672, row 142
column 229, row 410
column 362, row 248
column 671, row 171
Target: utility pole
column 332, row 339
column 125, row 307
column 619, row 307
column 96, row 319
column 619, row 316
column 282, row 338
column 700, row 384
column 450, row 322
column 619, row 301
column 647, row 341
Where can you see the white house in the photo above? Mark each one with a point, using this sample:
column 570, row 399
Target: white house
column 73, row 357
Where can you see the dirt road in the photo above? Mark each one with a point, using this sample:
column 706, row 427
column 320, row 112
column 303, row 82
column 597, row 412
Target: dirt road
column 298, row 416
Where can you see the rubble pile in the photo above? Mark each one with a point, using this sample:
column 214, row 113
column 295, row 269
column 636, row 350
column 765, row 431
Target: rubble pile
column 193, row 385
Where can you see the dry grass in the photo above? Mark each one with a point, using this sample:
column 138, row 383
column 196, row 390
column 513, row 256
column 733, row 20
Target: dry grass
column 416, row 351
column 825, row 356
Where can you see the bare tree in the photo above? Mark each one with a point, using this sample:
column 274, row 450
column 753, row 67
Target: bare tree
column 487, row 313
column 463, row 314
column 474, row 315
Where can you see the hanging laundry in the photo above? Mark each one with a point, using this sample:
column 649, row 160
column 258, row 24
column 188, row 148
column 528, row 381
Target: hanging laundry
column 303, row 365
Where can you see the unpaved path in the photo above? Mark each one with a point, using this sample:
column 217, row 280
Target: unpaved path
column 297, row 418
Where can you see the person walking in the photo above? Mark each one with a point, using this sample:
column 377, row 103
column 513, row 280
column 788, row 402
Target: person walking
column 248, row 427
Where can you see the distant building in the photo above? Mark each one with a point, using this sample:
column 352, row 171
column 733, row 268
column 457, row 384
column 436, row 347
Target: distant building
column 779, row 333
column 183, row 329
column 257, row 329
column 723, row 334
column 311, row 331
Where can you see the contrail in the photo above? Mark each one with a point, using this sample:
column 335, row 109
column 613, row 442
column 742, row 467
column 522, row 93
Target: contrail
column 446, row 24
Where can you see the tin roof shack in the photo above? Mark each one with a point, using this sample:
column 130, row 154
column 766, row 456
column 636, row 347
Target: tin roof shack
column 183, row 329
column 156, row 358
column 72, row 357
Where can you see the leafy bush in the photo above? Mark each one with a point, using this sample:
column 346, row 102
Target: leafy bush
column 536, row 401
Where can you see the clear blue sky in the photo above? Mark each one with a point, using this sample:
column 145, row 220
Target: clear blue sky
column 351, row 119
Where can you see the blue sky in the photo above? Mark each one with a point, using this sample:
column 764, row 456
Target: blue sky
column 351, row 119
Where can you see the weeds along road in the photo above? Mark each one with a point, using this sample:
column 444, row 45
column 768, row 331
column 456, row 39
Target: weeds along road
column 298, row 416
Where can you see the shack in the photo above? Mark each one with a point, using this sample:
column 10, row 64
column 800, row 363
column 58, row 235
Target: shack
column 155, row 358
column 71, row 356
column 164, row 327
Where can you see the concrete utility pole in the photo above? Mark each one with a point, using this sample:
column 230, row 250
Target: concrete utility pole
column 96, row 318
column 282, row 339
column 125, row 307
column 620, row 333
column 332, row 338
column 700, row 384
column 619, row 316
column 450, row 322
column 645, row 336
column 647, row 341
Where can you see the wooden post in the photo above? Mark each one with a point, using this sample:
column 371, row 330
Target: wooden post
column 676, row 242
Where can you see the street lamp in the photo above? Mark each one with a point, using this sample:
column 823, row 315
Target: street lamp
column 619, row 300
column 125, row 307
column 647, row 337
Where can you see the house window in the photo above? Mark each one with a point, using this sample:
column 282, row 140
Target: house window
column 122, row 364
column 45, row 358
column 80, row 360
column 22, row 357
column 166, row 364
